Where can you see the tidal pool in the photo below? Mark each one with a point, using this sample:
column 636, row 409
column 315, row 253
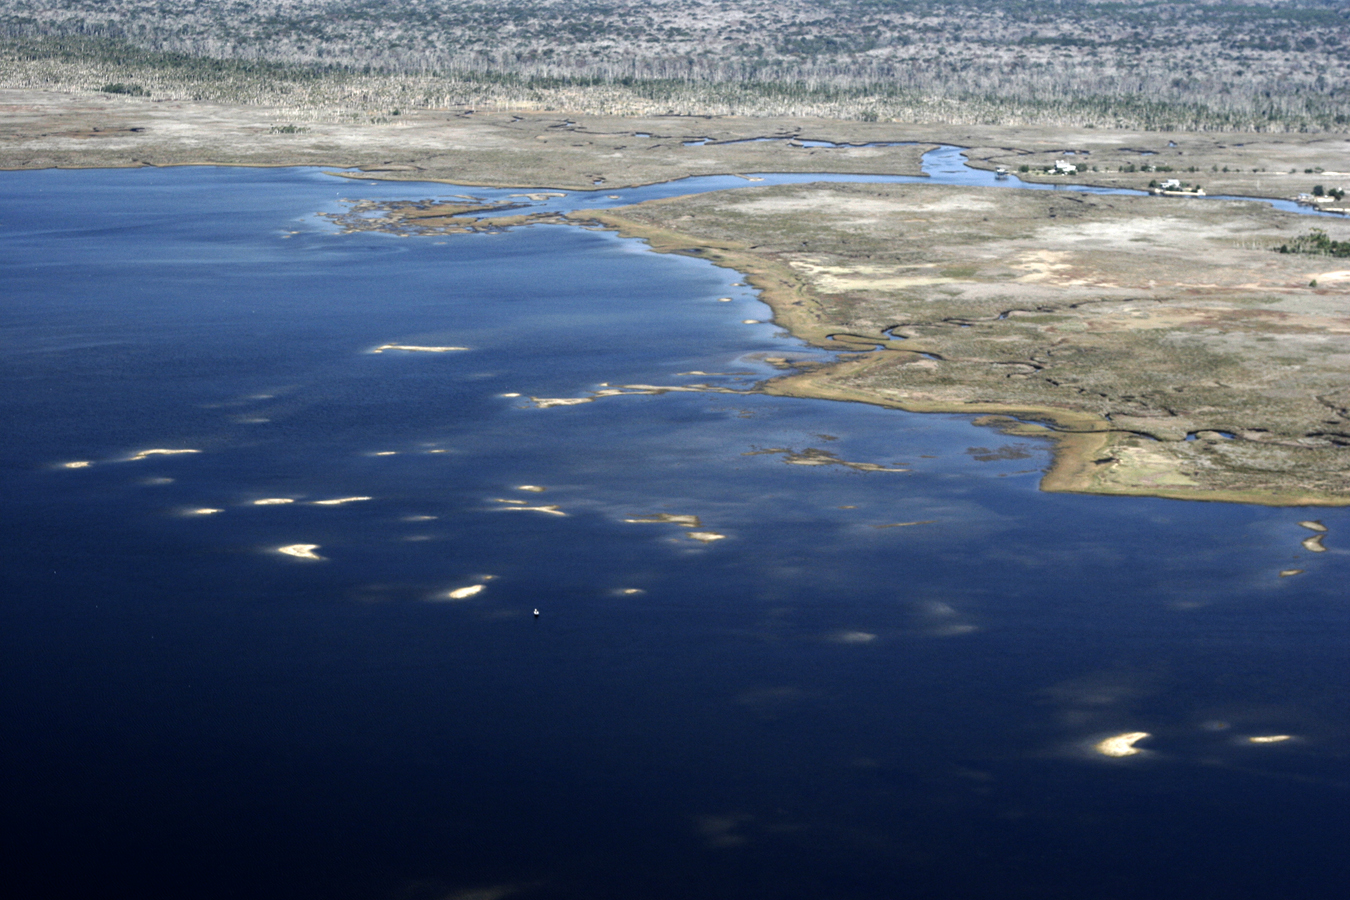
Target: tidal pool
column 883, row 665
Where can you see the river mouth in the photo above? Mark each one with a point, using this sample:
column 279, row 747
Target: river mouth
column 793, row 647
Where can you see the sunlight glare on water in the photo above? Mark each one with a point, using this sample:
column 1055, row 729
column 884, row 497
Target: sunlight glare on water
column 529, row 600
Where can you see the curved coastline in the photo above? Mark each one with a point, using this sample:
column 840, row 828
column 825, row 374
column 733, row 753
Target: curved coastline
column 1083, row 439
column 492, row 144
column 1080, row 436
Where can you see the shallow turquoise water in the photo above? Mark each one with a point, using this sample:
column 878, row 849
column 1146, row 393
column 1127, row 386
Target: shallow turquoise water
column 811, row 705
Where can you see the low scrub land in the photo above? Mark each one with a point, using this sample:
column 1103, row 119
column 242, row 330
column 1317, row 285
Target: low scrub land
column 1317, row 242
column 1180, row 65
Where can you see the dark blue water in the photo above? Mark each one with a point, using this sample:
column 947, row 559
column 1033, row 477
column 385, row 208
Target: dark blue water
column 817, row 699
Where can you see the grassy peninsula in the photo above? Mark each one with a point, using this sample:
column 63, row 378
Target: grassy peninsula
column 1165, row 343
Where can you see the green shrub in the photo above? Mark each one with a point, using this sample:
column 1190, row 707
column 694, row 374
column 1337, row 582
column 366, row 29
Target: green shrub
column 132, row 90
column 1316, row 242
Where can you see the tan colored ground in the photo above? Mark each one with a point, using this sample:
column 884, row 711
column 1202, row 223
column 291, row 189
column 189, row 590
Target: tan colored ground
column 1125, row 324
column 40, row 129
column 1122, row 325
column 1259, row 165
column 44, row 129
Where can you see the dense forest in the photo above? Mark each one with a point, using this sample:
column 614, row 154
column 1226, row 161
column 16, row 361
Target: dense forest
column 1195, row 64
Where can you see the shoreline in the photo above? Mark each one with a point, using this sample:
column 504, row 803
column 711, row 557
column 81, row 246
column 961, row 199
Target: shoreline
column 540, row 150
column 1078, row 436
column 357, row 173
column 51, row 127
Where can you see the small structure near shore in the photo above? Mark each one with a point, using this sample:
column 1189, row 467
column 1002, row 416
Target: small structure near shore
column 1173, row 187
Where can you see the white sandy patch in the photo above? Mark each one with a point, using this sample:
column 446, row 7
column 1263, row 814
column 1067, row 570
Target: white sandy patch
column 1339, row 275
column 339, row 501
column 301, row 551
column 955, row 203
column 77, row 464
column 631, row 390
column 1121, row 744
column 465, row 593
column 839, row 204
column 1270, row 738
column 1116, row 232
column 273, row 501
column 521, row 506
column 413, row 348
column 666, row 518
column 839, row 279
column 1040, row 265
column 706, row 537
column 547, row 402
column 146, row 454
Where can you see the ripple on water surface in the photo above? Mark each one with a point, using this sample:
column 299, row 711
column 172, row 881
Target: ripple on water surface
column 815, row 648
